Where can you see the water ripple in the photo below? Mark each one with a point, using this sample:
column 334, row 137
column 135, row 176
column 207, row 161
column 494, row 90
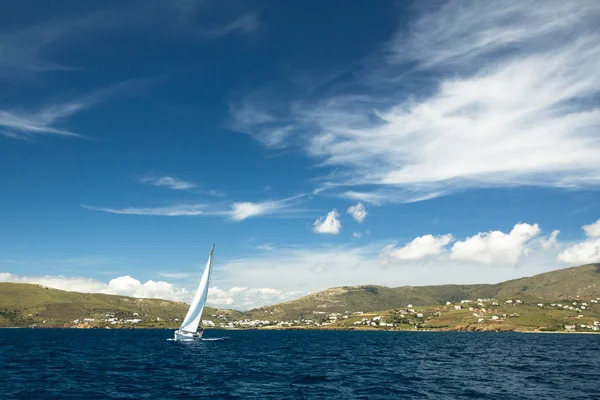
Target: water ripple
column 141, row 364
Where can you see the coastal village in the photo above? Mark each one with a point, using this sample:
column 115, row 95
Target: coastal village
column 574, row 315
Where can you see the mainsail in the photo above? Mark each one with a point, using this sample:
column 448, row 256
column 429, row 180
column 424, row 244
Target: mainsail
column 194, row 314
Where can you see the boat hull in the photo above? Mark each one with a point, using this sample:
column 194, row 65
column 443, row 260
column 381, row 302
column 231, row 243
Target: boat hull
column 181, row 336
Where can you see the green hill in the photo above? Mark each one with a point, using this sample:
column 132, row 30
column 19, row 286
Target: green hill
column 583, row 281
column 24, row 304
column 33, row 305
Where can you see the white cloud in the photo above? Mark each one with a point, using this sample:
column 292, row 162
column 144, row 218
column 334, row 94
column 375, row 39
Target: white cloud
column 239, row 211
column 241, row 298
column 356, row 235
column 551, row 241
column 20, row 125
column 495, row 247
column 265, row 247
column 123, row 285
column 320, row 267
column 246, row 23
column 587, row 251
column 247, row 298
column 418, row 248
column 27, row 42
column 244, row 210
column 592, row 230
column 506, row 97
column 358, row 212
column 329, row 224
column 168, row 181
column 170, row 211
column 44, row 120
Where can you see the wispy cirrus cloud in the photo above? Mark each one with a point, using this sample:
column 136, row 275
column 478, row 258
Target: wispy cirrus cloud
column 168, row 211
column 168, row 182
column 46, row 120
column 243, row 210
column 31, row 46
column 245, row 24
column 505, row 97
column 237, row 211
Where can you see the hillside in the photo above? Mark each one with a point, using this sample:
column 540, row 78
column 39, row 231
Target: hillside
column 581, row 281
column 550, row 301
column 24, row 304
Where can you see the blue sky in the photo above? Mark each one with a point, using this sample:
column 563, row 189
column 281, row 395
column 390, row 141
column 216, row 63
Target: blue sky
column 318, row 144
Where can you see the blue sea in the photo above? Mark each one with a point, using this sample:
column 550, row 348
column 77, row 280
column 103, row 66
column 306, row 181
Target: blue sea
column 142, row 364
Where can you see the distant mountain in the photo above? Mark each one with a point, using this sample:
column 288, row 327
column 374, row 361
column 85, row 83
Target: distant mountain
column 581, row 281
column 24, row 304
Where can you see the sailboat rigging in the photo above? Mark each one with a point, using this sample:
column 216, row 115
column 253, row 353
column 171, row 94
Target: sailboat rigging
column 189, row 328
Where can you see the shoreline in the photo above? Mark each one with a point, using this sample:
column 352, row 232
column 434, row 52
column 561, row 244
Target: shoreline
column 312, row 329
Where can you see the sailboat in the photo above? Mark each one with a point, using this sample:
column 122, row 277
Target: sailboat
column 189, row 328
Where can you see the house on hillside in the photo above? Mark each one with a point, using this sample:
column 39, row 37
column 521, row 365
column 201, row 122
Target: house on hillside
column 458, row 307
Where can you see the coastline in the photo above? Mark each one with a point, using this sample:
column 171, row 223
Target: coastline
column 317, row 329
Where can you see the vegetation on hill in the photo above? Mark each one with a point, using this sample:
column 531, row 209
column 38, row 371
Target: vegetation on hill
column 567, row 299
column 24, row 304
column 581, row 281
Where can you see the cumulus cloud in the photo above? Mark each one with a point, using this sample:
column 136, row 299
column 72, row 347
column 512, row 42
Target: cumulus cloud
column 584, row 252
column 248, row 298
column 550, row 241
column 328, row 225
column 123, row 285
column 241, row 298
column 418, row 248
column 592, row 230
column 168, row 181
column 496, row 247
column 358, row 212
column 587, row 251
column 356, row 235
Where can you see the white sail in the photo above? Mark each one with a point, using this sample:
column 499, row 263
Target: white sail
column 194, row 314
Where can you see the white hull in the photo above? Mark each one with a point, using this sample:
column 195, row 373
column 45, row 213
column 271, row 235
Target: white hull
column 187, row 336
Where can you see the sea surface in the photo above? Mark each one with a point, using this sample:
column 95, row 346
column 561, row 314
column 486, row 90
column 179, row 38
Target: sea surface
column 142, row 364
